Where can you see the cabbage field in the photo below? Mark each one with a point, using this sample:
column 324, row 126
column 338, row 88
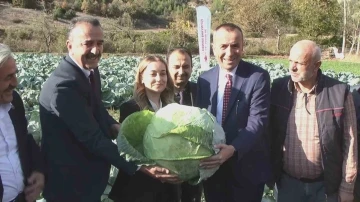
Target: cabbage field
column 117, row 74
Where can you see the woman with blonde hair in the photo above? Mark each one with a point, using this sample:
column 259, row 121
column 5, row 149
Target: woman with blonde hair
column 149, row 91
column 153, row 89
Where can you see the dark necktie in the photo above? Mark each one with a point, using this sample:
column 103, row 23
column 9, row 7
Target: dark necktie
column 92, row 81
column 93, row 90
column 179, row 97
column 226, row 98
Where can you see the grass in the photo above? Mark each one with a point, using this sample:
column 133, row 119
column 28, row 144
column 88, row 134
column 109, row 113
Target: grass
column 114, row 113
column 335, row 65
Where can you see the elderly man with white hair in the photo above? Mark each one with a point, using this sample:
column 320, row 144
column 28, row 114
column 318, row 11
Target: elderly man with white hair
column 313, row 132
column 21, row 165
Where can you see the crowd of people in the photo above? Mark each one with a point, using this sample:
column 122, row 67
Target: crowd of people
column 297, row 135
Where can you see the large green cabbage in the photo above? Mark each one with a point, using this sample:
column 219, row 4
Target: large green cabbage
column 176, row 137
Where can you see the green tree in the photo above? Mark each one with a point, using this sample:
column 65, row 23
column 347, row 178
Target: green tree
column 126, row 24
column 181, row 29
column 217, row 6
column 280, row 17
column 351, row 24
column 252, row 15
column 316, row 17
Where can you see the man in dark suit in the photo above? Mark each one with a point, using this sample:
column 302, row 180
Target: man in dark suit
column 77, row 129
column 355, row 91
column 21, row 164
column 238, row 94
column 180, row 68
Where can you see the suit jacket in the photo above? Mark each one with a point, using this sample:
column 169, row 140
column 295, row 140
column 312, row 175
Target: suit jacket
column 189, row 94
column 29, row 152
column 139, row 187
column 246, row 117
column 76, row 141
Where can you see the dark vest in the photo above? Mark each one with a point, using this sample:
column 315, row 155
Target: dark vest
column 329, row 107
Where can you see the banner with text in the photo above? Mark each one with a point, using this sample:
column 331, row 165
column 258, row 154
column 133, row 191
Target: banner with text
column 203, row 16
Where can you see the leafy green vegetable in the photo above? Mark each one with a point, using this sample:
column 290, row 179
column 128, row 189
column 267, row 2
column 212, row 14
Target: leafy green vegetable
column 133, row 131
column 177, row 137
column 117, row 79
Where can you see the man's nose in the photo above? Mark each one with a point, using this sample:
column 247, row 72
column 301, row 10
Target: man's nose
column 228, row 50
column 293, row 66
column 95, row 49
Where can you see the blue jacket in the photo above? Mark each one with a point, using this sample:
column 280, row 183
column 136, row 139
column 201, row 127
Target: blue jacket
column 246, row 118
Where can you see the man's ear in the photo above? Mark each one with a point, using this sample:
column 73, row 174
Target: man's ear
column 242, row 52
column 68, row 45
column 317, row 65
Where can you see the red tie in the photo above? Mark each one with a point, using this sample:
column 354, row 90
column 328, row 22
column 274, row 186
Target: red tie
column 227, row 93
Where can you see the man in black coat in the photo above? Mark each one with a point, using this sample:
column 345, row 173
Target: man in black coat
column 77, row 129
column 180, row 68
column 21, row 164
column 355, row 91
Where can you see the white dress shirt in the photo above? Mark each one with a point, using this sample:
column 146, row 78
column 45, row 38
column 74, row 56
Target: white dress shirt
column 154, row 106
column 10, row 168
column 221, row 89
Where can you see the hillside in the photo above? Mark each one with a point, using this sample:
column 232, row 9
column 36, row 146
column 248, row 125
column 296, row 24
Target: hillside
column 12, row 17
column 29, row 30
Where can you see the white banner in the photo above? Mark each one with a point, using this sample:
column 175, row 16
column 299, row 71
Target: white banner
column 203, row 16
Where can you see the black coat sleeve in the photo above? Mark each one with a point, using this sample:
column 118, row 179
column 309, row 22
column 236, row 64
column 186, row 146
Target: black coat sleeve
column 36, row 161
column 128, row 108
column 84, row 126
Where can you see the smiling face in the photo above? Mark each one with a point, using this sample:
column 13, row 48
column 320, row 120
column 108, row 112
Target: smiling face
column 8, row 80
column 85, row 45
column 228, row 47
column 179, row 68
column 154, row 77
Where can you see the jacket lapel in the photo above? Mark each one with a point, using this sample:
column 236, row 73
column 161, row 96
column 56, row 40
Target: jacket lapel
column 235, row 90
column 214, row 89
column 75, row 68
column 21, row 139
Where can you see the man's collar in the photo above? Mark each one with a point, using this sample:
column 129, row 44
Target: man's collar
column 4, row 109
column 85, row 71
column 298, row 89
column 232, row 72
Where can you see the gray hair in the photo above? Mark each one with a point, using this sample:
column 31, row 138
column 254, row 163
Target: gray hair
column 316, row 55
column 93, row 21
column 5, row 54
